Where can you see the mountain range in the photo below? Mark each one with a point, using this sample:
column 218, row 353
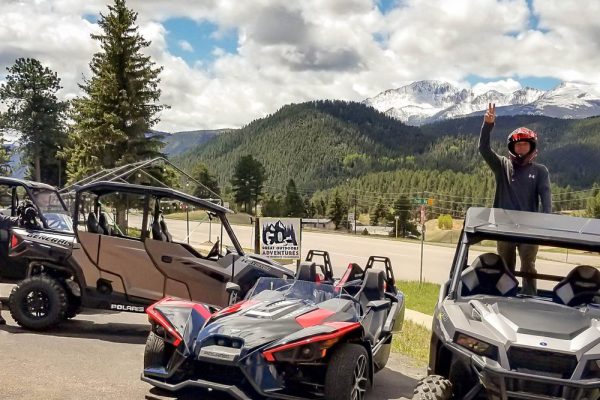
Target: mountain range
column 322, row 144
column 430, row 101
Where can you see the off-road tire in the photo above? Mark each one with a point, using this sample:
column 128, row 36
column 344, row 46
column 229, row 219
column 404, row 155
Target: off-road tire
column 154, row 352
column 347, row 373
column 42, row 291
column 73, row 306
column 433, row 387
column 73, row 303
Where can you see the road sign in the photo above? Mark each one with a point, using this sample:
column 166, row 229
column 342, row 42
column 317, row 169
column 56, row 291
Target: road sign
column 423, row 201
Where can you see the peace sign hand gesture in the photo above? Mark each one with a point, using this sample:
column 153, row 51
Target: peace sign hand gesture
column 490, row 114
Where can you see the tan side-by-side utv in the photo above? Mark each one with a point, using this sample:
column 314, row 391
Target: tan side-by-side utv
column 131, row 245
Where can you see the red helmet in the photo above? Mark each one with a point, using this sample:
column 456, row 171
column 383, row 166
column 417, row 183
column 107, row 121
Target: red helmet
column 522, row 135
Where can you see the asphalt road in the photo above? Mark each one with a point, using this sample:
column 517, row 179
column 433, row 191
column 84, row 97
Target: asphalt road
column 99, row 356
column 404, row 255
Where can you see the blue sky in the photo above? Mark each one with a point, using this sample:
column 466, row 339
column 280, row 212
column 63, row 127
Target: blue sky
column 542, row 83
column 280, row 52
column 203, row 38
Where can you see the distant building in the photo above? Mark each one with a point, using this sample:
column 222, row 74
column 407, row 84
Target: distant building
column 321, row 223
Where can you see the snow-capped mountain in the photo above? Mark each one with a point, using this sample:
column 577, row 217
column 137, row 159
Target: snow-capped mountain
column 429, row 101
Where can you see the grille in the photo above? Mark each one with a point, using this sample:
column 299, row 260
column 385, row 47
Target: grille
column 545, row 363
column 217, row 373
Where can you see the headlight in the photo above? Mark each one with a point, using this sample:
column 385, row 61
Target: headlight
column 476, row 346
column 592, row 370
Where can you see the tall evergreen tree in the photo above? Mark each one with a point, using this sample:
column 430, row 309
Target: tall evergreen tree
column 5, row 169
column 379, row 213
column 272, row 206
column 337, row 210
column 402, row 210
column 34, row 111
column 202, row 175
column 248, row 180
column 120, row 102
column 294, row 206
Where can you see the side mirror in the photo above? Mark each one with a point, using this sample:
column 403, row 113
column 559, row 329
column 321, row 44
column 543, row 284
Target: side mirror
column 233, row 289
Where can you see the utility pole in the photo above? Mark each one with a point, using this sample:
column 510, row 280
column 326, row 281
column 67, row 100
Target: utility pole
column 355, row 212
column 422, row 241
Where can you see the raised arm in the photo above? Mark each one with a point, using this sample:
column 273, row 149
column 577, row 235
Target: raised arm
column 490, row 157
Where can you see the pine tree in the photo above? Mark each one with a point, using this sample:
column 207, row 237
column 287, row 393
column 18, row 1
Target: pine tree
column 379, row 214
column 248, row 180
column 337, row 210
column 202, row 175
column 5, row 169
column 34, row 111
column 402, row 210
column 272, row 206
column 294, row 206
column 120, row 101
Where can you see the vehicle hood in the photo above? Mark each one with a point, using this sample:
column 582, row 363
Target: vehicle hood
column 552, row 320
column 527, row 322
column 258, row 323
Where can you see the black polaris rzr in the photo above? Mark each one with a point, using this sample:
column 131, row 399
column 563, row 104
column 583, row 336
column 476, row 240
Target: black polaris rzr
column 493, row 340
column 39, row 207
column 301, row 338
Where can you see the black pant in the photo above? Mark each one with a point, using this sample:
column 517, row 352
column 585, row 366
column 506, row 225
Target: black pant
column 527, row 254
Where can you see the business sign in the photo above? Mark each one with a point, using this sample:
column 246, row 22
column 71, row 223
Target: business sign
column 280, row 238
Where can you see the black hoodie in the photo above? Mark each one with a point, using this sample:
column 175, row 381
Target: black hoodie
column 518, row 187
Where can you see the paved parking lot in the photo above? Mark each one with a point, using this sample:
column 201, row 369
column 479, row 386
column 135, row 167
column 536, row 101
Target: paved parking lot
column 99, row 356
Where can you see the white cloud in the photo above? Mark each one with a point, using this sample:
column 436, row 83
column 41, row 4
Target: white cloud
column 297, row 51
column 185, row 46
column 502, row 86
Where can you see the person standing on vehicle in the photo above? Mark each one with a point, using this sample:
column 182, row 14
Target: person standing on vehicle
column 521, row 184
column 5, row 224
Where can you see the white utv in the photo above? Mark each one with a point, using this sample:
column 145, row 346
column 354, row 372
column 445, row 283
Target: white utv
column 491, row 341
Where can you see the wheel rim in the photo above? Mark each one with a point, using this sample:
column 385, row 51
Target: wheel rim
column 359, row 384
column 36, row 304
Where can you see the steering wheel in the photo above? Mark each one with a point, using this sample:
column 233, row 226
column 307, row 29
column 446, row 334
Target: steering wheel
column 54, row 223
column 583, row 297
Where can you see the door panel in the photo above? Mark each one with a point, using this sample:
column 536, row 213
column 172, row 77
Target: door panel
column 90, row 271
column 174, row 260
column 90, row 243
column 128, row 259
column 177, row 289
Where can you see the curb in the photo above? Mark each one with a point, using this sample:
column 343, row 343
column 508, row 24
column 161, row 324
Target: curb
column 418, row 318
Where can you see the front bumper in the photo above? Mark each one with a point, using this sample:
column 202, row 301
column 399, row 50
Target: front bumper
column 246, row 379
column 231, row 390
column 501, row 384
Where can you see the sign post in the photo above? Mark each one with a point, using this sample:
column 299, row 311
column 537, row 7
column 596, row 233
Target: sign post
column 396, row 218
column 422, row 241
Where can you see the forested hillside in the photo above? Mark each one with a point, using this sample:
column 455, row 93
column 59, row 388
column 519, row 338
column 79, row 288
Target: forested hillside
column 334, row 146
column 318, row 144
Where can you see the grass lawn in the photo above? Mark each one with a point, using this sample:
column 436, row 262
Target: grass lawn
column 413, row 341
column 420, row 297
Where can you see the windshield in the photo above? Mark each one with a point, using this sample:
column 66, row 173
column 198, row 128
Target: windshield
column 313, row 292
column 52, row 208
column 559, row 274
column 48, row 201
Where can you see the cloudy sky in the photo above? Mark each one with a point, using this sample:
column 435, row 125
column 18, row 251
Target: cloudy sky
column 227, row 62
